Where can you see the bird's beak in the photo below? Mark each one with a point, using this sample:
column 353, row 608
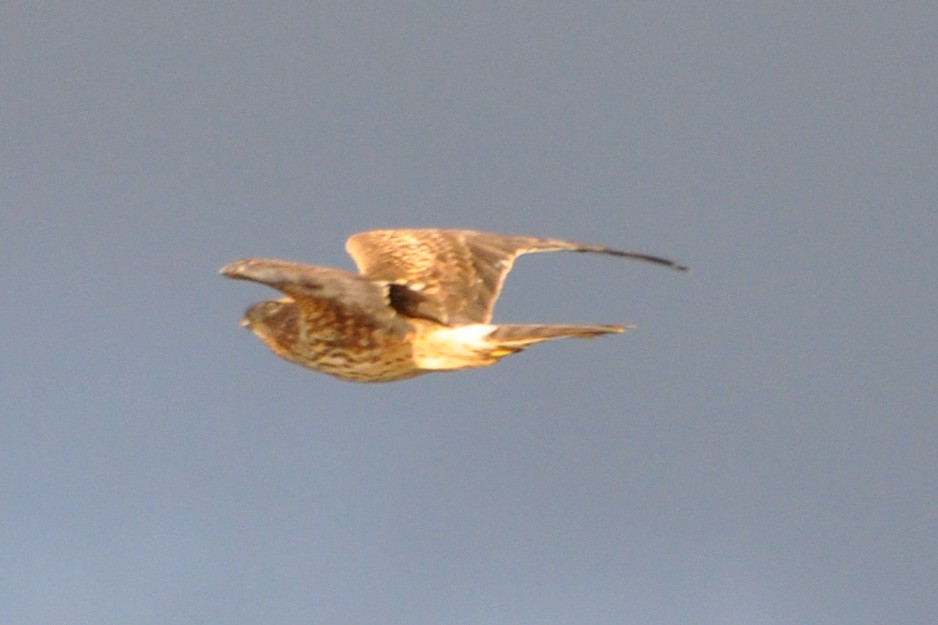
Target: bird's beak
column 245, row 322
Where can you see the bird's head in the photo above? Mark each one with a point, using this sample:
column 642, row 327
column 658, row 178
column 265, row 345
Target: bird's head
column 273, row 318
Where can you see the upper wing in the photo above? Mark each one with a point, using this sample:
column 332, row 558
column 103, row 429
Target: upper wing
column 453, row 276
column 319, row 287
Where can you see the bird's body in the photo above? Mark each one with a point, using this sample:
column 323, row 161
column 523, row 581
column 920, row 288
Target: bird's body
column 422, row 302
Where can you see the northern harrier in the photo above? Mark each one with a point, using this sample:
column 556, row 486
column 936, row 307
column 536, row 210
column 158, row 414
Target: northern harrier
column 422, row 302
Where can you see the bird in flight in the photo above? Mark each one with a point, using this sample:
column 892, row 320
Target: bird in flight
column 422, row 302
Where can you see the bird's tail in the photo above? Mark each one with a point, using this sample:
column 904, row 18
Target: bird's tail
column 514, row 338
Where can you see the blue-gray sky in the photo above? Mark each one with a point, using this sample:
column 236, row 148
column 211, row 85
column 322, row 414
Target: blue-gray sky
column 762, row 449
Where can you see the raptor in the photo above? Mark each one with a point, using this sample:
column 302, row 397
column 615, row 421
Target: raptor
column 422, row 302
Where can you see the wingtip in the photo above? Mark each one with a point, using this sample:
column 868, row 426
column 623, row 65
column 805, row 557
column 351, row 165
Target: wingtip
column 666, row 262
column 658, row 260
column 234, row 269
column 228, row 270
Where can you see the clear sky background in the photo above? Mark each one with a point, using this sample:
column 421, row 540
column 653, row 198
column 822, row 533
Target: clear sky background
column 762, row 449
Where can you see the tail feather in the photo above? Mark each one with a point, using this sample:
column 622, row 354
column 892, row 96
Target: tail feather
column 440, row 348
column 517, row 337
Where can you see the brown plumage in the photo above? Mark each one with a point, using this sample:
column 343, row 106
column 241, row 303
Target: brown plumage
column 422, row 302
